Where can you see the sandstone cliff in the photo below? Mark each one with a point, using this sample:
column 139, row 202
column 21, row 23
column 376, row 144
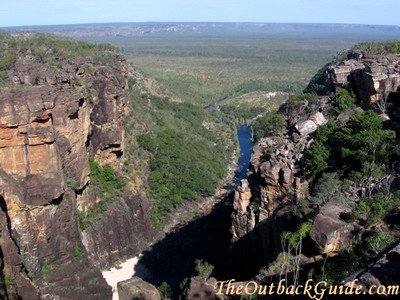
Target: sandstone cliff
column 61, row 103
column 370, row 76
column 270, row 200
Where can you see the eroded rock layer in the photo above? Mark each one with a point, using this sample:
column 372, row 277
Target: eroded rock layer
column 54, row 115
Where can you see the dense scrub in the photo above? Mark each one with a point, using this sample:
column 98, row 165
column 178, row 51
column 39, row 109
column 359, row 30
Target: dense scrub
column 186, row 148
column 378, row 48
column 108, row 186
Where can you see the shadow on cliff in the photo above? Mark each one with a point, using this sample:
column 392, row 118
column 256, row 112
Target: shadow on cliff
column 172, row 259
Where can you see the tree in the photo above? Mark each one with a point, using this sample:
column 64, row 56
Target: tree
column 292, row 245
column 344, row 100
column 270, row 124
column 328, row 188
column 203, row 269
column 382, row 103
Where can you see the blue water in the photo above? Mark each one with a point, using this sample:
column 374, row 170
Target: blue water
column 211, row 107
column 245, row 138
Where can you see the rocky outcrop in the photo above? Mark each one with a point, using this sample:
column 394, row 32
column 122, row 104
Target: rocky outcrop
column 385, row 271
column 136, row 288
column 369, row 76
column 275, row 182
column 200, row 289
column 329, row 232
column 54, row 114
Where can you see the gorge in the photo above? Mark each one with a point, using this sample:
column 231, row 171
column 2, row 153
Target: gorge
column 100, row 163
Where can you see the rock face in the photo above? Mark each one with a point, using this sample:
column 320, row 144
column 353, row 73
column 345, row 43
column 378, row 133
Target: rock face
column 275, row 179
column 385, row 268
column 261, row 202
column 199, row 289
column 369, row 76
column 48, row 128
column 329, row 232
column 136, row 288
column 384, row 271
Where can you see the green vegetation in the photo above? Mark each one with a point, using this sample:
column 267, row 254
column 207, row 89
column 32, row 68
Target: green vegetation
column 292, row 243
column 203, row 269
column 165, row 291
column 45, row 268
column 344, row 100
column 7, row 61
column 182, row 169
column 360, row 151
column 78, row 253
column 46, row 48
column 379, row 48
column 109, row 188
column 201, row 69
column 359, row 146
column 109, row 185
column 328, row 188
column 9, row 281
column 185, row 147
column 352, row 258
column 269, row 124
column 254, row 85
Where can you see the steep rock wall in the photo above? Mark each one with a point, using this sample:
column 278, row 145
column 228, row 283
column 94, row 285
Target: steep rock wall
column 53, row 116
column 369, row 76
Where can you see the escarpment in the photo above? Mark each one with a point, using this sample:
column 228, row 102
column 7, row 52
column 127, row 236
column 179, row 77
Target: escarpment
column 309, row 181
column 370, row 76
column 62, row 104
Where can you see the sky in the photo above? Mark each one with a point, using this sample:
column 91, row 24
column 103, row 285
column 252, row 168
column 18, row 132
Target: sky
column 51, row 12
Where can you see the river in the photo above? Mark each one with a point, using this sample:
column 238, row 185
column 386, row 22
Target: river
column 245, row 137
column 206, row 238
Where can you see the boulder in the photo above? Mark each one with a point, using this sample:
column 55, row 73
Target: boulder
column 329, row 231
column 137, row 289
column 309, row 126
column 200, row 289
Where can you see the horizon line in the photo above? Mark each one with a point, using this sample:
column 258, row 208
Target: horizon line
column 205, row 22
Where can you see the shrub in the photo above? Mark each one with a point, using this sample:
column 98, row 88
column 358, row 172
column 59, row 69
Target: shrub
column 7, row 61
column 165, row 291
column 360, row 145
column 203, row 269
column 377, row 242
column 78, row 252
column 379, row 48
column 343, row 100
column 270, row 124
column 361, row 210
column 180, row 169
column 109, row 186
column 104, row 178
column 328, row 188
column 9, row 281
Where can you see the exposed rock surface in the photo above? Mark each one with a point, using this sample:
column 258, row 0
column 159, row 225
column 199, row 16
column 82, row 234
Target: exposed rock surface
column 48, row 128
column 137, row 289
column 369, row 76
column 262, row 201
column 383, row 272
column 329, row 232
column 266, row 203
column 199, row 289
